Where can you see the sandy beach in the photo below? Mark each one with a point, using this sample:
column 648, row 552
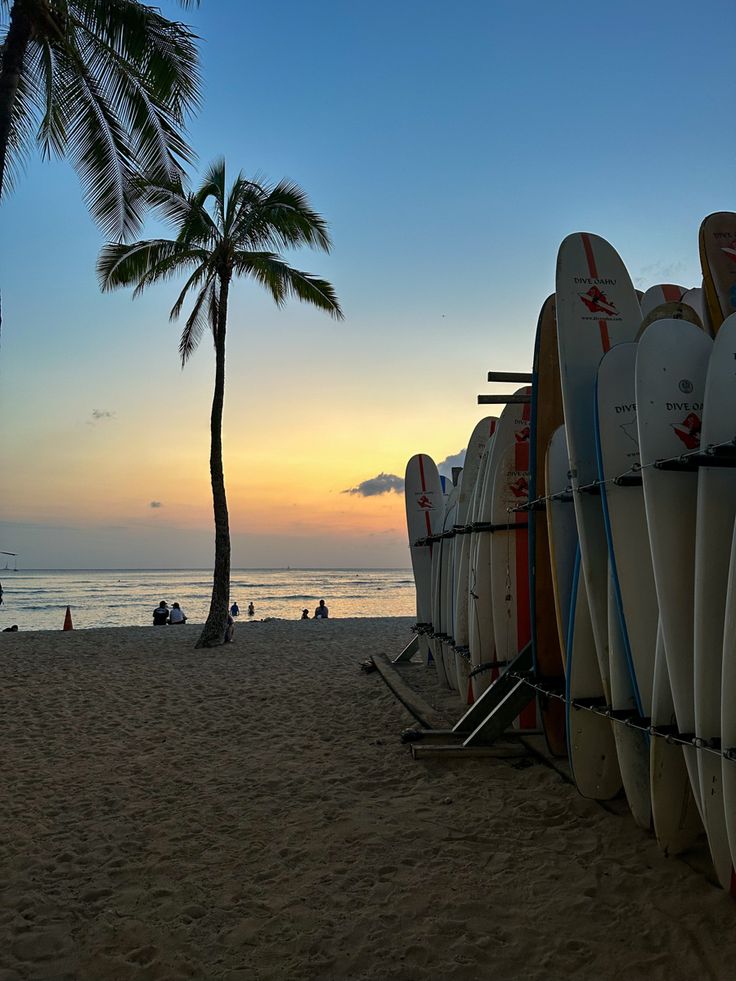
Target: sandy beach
column 250, row 813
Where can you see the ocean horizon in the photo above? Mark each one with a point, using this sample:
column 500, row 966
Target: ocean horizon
column 36, row 599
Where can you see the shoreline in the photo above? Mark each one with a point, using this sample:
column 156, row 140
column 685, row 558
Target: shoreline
column 248, row 812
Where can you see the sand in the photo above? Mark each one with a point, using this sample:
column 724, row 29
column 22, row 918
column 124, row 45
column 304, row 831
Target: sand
column 250, row 813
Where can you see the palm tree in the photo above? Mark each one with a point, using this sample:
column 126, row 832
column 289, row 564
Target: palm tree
column 221, row 234
column 107, row 83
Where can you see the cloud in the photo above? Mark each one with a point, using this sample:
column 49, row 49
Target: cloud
column 453, row 460
column 663, row 272
column 155, row 504
column 384, row 483
column 98, row 414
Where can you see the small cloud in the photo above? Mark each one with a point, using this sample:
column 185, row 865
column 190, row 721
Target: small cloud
column 453, row 460
column 384, row 483
column 155, row 504
column 99, row 414
column 662, row 272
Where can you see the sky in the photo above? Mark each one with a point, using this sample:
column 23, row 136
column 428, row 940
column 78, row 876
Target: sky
column 451, row 149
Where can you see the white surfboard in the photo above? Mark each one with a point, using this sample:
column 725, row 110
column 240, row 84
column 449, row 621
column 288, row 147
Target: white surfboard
column 473, row 456
column 437, row 649
column 716, row 512
column 424, row 513
column 622, row 496
column 480, row 628
column 597, row 308
column 695, row 298
column 482, row 639
column 728, row 704
column 655, row 296
column 509, row 553
column 675, row 816
column 632, row 745
column 672, row 359
column 445, row 584
column 591, row 744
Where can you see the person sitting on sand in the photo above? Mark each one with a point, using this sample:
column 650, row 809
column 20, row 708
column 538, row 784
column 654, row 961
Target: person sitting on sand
column 321, row 613
column 251, row 610
column 11, row 630
column 234, row 610
column 161, row 614
column 229, row 629
column 177, row 614
column 305, row 614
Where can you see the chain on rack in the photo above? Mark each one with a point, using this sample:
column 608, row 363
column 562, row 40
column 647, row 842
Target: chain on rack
column 627, row 717
column 713, row 455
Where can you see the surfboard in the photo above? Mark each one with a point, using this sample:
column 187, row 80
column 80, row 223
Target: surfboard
column 446, row 588
column 473, row 455
column 622, row 497
column 670, row 311
column 592, row 748
column 509, row 551
column 597, row 308
column 632, row 745
column 671, row 363
column 728, row 704
column 657, row 295
column 424, row 514
column 695, row 299
column 546, row 417
column 562, row 531
column 716, row 512
column 480, row 629
column 675, row 816
column 717, row 242
column 437, row 649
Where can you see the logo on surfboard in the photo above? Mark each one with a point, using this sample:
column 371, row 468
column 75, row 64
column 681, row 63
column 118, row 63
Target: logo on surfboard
column 520, row 488
column 424, row 503
column 597, row 302
column 730, row 250
column 689, row 430
column 522, row 435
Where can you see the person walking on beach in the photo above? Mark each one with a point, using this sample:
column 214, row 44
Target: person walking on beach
column 161, row 614
column 234, row 610
column 229, row 629
column 251, row 610
column 177, row 614
column 321, row 613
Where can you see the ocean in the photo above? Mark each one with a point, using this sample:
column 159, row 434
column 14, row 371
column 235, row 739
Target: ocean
column 37, row 599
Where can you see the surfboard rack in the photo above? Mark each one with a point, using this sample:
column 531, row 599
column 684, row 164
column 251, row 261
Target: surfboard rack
column 489, row 716
column 629, row 480
column 503, row 399
column 411, row 648
column 520, row 377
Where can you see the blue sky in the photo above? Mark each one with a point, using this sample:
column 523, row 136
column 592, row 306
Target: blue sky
column 451, row 149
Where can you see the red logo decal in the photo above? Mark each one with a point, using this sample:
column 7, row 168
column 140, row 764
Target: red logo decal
column 425, row 503
column 520, row 488
column 522, row 436
column 730, row 250
column 597, row 302
column 689, row 431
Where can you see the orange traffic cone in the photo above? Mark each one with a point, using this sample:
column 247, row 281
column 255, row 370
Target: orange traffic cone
column 68, row 620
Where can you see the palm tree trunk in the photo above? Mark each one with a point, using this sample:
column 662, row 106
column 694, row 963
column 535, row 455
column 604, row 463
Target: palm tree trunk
column 14, row 50
column 213, row 633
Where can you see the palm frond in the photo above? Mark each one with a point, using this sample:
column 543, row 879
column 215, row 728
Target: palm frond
column 126, row 264
column 282, row 281
column 203, row 315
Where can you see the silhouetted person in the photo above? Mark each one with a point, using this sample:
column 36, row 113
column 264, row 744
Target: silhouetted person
column 321, row 613
column 161, row 614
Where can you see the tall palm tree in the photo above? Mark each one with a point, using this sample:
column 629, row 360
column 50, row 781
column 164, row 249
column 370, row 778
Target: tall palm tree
column 222, row 234
column 107, row 83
